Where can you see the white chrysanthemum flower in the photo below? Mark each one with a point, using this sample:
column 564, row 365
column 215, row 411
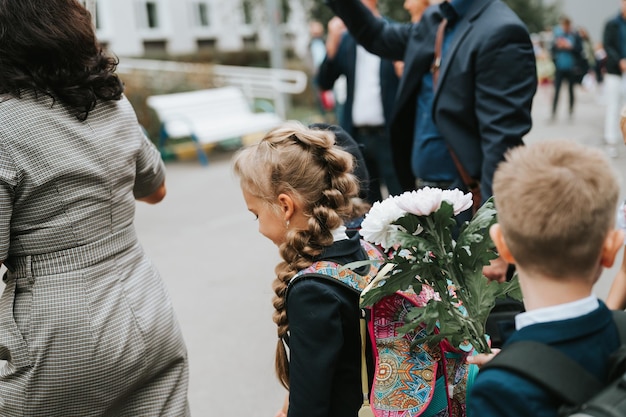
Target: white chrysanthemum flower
column 377, row 227
column 459, row 200
column 421, row 202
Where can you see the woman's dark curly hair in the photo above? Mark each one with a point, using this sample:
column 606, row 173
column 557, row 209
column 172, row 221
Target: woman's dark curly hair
column 50, row 47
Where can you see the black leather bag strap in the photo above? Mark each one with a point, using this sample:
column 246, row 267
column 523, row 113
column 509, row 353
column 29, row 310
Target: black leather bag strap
column 549, row 368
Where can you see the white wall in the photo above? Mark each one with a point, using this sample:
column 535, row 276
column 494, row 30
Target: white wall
column 122, row 25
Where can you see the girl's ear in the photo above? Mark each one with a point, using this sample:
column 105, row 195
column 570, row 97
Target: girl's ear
column 496, row 235
column 287, row 205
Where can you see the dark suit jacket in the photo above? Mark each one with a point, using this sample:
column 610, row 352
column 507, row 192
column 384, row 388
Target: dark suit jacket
column 344, row 63
column 612, row 46
column 486, row 83
column 589, row 340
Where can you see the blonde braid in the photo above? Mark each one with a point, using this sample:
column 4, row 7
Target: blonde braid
column 305, row 163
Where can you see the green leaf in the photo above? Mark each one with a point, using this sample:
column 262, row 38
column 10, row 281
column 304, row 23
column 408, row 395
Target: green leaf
column 511, row 289
column 410, row 223
column 474, row 248
column 414, row 243
column 398, row 280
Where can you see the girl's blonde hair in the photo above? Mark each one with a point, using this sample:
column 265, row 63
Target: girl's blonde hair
column 305, row 164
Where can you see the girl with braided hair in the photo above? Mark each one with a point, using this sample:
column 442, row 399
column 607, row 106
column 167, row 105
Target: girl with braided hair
column 300, row 186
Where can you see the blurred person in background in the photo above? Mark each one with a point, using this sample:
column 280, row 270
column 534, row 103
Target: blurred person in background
column 566, row 49
column 324, row 99
column 371, row 90
column 614, row 41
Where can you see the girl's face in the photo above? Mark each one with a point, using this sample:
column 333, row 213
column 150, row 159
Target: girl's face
column 272, row 223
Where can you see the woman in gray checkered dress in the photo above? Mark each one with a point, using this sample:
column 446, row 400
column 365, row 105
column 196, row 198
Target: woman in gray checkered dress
column 86, row 325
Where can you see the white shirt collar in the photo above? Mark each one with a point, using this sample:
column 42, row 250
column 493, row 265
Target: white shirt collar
column 339, row 233
column 558, row 312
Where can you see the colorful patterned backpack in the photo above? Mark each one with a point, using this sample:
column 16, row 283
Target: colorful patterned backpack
column 410, row 379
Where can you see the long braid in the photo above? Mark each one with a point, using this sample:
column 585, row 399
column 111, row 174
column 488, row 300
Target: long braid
column 306, row 163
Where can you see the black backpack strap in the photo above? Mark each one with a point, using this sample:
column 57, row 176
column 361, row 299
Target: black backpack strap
column 548, row 368
column 617, row 360
column 619, row 317
column 556, row 372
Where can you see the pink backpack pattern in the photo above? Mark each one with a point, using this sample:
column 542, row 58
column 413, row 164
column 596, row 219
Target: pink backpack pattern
column 405, row 372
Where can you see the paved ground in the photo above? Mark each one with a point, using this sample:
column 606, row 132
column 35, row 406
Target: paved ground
column 218, row 269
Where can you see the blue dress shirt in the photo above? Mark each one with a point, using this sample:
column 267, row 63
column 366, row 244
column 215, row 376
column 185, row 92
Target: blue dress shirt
column 431, row 160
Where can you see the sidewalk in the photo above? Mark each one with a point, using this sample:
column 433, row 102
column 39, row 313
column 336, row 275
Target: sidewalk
column 219, row 269
column 586, row 126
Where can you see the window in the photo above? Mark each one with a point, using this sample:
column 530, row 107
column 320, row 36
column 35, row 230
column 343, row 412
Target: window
column 152, row 14
column 202, row 16
column 149, row 14
column 285, row 9
column 98, row 23
column 247, row 12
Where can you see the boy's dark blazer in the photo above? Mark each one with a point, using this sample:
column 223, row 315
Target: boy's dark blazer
column 589, row 340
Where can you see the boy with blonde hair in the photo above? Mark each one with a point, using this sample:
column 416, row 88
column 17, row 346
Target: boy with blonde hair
column 556, row 211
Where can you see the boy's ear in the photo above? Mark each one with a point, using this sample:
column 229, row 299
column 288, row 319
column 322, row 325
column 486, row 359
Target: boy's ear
column 612, row 243
column 496, row 235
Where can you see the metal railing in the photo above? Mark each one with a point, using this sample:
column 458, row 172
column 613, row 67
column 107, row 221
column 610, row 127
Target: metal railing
column 264, row 83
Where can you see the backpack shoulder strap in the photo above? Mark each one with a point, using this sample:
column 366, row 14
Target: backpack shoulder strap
column 553, row 370
column 549, row 368
column 617, row 360
column 331, row 271
column 335, row 272
column 619, row 317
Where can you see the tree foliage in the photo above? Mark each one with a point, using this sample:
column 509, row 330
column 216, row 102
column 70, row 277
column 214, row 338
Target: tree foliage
column 533, row 13
column 393, row 9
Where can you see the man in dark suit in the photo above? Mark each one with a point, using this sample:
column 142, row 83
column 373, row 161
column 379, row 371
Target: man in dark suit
column 371, row 90
column 478, row 106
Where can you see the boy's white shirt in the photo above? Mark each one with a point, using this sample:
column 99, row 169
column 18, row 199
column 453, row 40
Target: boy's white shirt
column 556, row 313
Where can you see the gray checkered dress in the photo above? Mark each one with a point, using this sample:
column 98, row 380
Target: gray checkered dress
column 86, row 325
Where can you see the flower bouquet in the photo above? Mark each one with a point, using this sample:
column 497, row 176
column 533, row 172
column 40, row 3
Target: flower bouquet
column 416, row 228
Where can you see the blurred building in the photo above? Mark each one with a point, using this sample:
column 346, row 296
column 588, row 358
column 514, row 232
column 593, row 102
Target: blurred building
column 177, row 27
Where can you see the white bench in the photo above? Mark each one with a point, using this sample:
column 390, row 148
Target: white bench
column 209, row 116
column 267, row 83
